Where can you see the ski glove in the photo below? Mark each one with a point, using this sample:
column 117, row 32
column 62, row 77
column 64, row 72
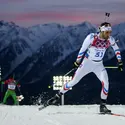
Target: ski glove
column 19, row 85
column 120, row 66
column 76, row 65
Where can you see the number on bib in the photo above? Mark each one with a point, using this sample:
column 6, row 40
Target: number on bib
column 99, row 54
column 11, row 87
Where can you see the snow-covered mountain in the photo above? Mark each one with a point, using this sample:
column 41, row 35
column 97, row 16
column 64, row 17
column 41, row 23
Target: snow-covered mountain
column 17, row 43
column 49, row 43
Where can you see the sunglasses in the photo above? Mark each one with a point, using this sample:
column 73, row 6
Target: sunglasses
column 108, row 32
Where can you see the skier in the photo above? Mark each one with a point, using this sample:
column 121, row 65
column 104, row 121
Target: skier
column 11, row 90
column 92, row 52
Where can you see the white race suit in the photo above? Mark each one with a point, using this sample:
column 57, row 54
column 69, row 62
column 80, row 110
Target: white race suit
column 93, row 50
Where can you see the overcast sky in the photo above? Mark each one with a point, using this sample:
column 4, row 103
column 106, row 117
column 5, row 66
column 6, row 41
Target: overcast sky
column 31, row 12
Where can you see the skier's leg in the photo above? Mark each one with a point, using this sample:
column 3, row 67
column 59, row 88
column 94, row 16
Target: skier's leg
column 13, row 94
column 85, row 68
column 7, row 94
column 102, row 75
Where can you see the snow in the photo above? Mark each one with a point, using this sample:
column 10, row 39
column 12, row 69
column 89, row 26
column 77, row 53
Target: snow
column 60, row 115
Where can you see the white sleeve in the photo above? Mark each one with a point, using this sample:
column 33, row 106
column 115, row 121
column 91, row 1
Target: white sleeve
column 115, row 48
column 86, row 43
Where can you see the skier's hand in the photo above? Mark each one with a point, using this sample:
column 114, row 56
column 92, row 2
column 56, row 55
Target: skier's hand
column 76, row 65
column 120, row 65
column 19, row 85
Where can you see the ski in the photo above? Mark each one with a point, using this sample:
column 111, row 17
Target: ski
column 113, row 114
column 51, row 101
column 45, row 104
column 42, row 107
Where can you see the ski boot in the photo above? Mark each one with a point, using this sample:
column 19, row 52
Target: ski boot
column 53, row 101
column 104, row 109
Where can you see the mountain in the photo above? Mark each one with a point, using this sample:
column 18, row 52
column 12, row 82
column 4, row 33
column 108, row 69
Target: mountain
column 16, row 43
column 33, row 55
column 21, row 46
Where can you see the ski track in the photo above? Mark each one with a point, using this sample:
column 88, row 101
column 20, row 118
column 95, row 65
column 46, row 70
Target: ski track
column 60, row 115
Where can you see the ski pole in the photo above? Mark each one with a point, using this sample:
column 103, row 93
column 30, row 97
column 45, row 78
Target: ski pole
column 70, row 71
column 0, row 74
column 111, row 67
column 19, row 90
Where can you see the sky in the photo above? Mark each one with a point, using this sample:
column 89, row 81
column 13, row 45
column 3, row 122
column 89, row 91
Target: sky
column 31, row 12
column 60, row 115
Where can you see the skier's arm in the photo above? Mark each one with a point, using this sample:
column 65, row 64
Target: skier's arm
column 88, row 40
column 6, row 81
column 116, row 49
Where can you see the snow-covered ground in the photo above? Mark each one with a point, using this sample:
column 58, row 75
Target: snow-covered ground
column 60, row 115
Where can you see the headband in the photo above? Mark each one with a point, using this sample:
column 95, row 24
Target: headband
column 105, row 28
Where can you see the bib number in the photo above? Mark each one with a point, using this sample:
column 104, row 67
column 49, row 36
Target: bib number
column 99, row 54
column 11, row 87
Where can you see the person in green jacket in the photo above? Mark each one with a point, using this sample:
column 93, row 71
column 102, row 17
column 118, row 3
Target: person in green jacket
column 11, row 90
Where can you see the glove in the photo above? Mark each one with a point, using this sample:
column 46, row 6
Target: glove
column 19, row 85
column 120, row 66
column 76, row 65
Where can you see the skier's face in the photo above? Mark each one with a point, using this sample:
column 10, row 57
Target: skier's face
column 106, row 31
column 106, row 34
